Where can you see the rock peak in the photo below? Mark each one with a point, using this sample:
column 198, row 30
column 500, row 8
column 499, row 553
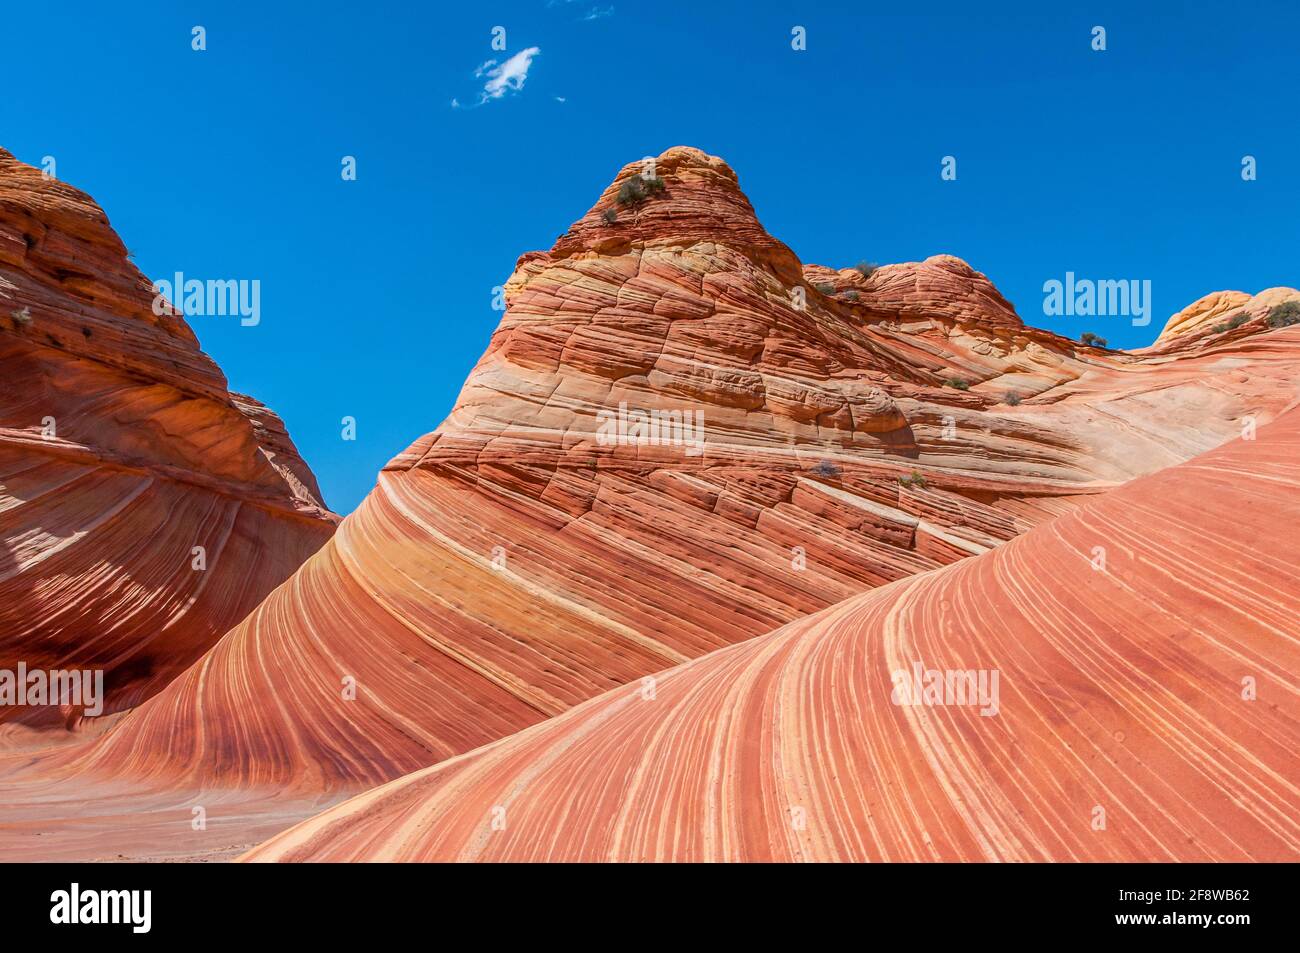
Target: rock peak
column 147, row 508
column 942, row 286
column 680, row 197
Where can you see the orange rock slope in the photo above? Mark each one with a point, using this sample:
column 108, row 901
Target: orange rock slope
column 546, row 544
column 121, row 451
column 1133, row 696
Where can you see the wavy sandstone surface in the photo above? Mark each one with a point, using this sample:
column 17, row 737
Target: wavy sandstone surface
column 516, row 562
column 1147, row 708
column 822, row 434
column 121, row 450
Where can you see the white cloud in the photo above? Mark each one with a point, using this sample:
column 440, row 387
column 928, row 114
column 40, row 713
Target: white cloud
column 595, row 13
column 510, row 75
column 502, row 77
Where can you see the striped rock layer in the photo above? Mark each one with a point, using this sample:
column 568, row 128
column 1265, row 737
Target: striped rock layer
column 524, row 557
column 121, row 451
column 1147, row 709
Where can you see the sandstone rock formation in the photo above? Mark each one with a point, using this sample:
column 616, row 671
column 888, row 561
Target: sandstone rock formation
column 1144, row 710
column 517, row 561
column 1213, row 315
column 679, row 439
column 121, row 450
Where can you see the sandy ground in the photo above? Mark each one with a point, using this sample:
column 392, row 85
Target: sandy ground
column 80, row 819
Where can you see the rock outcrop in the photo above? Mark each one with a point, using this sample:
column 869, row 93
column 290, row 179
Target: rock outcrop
column 1119, row 685
column 554, row 539
column 1222, row 312
column 144, row 509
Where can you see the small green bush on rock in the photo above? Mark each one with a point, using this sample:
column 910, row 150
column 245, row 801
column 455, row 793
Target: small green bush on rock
column 1284, row 315
column 638, row 189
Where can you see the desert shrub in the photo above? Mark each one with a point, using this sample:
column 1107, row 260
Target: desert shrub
column 825, row 287
column 638, row 188
column 610, row 215
column 1236, row 321
column 913, row 479
column 865, row 268
column 958, row 383
column 827, row 469
column 1284, row 315
column 851, row 296
column 1011, row 398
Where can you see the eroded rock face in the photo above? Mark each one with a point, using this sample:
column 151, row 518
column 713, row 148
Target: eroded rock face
column 1110, row 714
column 1222, row 312
column 121, row 451
column 549, row 542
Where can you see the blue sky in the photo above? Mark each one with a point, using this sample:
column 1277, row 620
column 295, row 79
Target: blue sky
column 376, row 294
